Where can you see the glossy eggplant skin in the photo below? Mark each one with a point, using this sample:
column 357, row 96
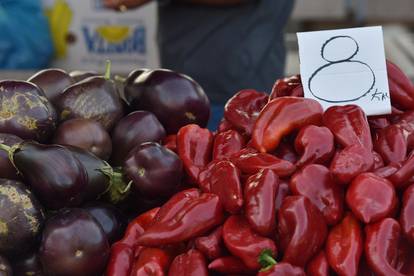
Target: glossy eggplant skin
column 7, row 170
column 132, row 130
column 28, row 266
column 155, row 170
column 73, row 243
column 98, row 182
column 129, row 84
column 21, row 218
column 175, row 99
column 79, row 75
column 25, row 111
column 52, row 81
column 5, row 267
column 54, row 174
column 110, row 219
column 93, row 98
column 86, row 134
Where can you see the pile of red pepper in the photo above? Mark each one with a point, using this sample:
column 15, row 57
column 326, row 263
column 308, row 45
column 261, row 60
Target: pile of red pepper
column 283, row 188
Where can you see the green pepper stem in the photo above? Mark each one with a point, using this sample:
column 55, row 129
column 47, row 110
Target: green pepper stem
column 266, row 259
column 108, row 69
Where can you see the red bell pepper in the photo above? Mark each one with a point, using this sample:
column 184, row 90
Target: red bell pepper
column 371, row 198
column 191, row 263
column 318, row 266
column 229, row 265
column 196, row 217
column 302, row 230
column 350, row 162
column 315, row 145
column 316, row 183
column 260, row 195
column 244, row 243
column 170, row 142
column 344, row 246
column 378, row 122
column 212, row 245
column 223, row 179
column 349, row 125
column 151, row 261
column 387, row 171
column 407, row 214
column 242, row 109
column 401, row 88
column 381, row 246
column 250, row 162
column 280, row 117
column 290, row 86
column 286, row 151
column 226, row 144
column 405, row 263
column 391, row 144
column 401, row 178
column 378, row 162
column 282, row 192
column 282, row 269
column 194, row 145
column 224, row 125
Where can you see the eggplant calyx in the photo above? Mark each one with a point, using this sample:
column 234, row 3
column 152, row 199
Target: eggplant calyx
column 108, row 70
column 10, row 152
column 119, row 79
column 117, row 189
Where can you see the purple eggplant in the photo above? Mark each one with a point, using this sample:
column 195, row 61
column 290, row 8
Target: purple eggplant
column 21, row 218
column 7, row 170
column 28, row 266
column 54, row 174
column 52, row 81
column 79, row 75
column 103, row 180
column 129, row 83
column 86, row 134
column 93, row 98
column 132, row 130
column 109, row 218
column 175, row 99
column 25, row 111
column 155, row 170
column 5, row 267
column 73, row 243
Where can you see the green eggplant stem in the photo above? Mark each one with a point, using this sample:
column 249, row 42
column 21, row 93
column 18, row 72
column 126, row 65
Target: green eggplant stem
column 108, row 70
column 117, row 189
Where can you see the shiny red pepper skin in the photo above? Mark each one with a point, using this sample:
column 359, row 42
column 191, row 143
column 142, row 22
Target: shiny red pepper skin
column 151, row 261
column 371, row 198
column 316, row 183
column 401, row 88
column 260, row 198
column 401, row 178
column 226, row 144
column 344, row 246
column 191, row 263
column 244, row 243
column 315, row 145
column 378, row 162
column 250, row 162
column 224, row 181
column 381, row 246
column 280, row 117
column 282, row 192
column 211, row 245
column 170, row 142
column 387, row 171
column 391, row 144
column 284, row 269
column 407, row 214
column 349, row 125
column 196, row 217
column 350, row 162
column 290, row 86
column 194, row 145
column 121, row 260
column 224, row 125
column 318, row 266
column 242, row 109
column 378, row 122
column 302, row 230
column 229, row 265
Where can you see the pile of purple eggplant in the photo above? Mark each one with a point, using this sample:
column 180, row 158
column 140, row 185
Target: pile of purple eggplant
column 80, row 154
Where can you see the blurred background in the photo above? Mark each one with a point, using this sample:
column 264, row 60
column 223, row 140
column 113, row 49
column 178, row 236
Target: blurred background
column 84, row 33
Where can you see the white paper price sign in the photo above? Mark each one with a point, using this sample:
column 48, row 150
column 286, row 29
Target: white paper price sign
column 345, row 66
